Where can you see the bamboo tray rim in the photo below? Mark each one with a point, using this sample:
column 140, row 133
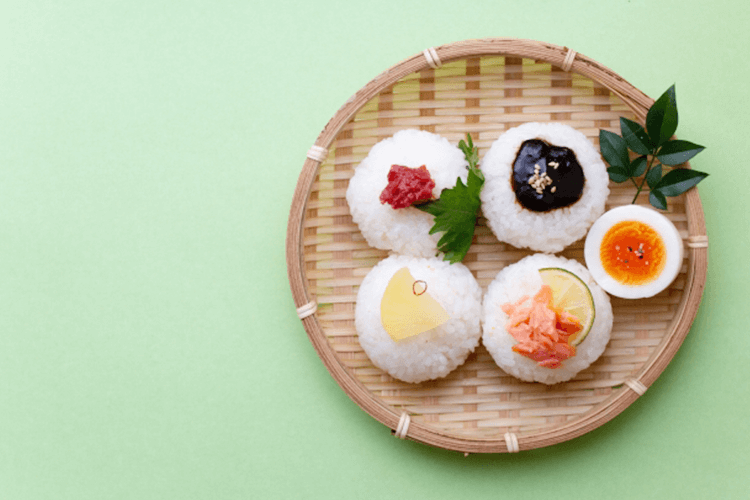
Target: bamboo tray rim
column 620, row 399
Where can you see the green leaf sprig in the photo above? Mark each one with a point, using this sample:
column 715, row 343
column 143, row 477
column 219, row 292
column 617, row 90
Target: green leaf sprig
column 456, row 210
column 652, row 143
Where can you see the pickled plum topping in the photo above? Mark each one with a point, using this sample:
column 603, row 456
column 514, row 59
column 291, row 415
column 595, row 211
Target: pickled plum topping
column 407, row 186
column 546, row 177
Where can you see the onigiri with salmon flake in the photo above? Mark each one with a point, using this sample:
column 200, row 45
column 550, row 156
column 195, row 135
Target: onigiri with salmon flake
column 545, row 319
column 545, row 185
column 418, row 319
column 404, row 230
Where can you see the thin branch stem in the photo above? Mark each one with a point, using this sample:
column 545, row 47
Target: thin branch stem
column 645, row 176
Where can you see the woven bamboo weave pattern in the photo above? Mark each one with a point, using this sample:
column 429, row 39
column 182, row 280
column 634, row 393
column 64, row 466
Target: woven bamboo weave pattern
column 475, row 406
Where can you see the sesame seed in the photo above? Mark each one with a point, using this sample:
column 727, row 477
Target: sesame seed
column 554, row 188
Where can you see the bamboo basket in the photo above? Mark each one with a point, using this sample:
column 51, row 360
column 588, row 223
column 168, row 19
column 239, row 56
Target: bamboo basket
column 482, row 87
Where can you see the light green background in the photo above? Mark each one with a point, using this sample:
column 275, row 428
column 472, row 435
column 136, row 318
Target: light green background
column 149, row 347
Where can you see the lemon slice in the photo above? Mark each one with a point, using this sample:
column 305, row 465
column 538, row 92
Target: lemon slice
column 570, row 293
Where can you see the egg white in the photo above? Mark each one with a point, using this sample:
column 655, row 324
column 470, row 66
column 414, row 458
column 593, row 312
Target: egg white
column 672, row 244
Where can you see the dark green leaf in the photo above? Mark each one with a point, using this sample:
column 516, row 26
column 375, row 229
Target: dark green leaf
column 653, row 176
column 614, row 149
column 677, row 151
column 635, row 136
column 679, row 180
column 638, row 167
column 456, row 210
column 661, row 119
column 475, row 181
column 617, row 174
column 657, row 199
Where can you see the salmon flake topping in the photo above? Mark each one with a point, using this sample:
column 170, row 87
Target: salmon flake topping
column 542, row 332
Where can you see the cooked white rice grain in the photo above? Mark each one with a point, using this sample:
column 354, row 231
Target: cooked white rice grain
column 431, row 354
column 541, row 231
column 522, row 278
column 403, row 230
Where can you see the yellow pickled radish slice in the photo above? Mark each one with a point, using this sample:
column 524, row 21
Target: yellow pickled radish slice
column 407, row 308
column 571, row 294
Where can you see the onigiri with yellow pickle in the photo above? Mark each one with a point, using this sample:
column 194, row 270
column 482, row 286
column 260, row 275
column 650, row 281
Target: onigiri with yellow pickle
column 417, row 318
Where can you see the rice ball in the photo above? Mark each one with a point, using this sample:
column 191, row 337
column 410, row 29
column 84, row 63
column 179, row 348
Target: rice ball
column 521, row 279
column 404, row 230
column 545, row 228
column 433, row 353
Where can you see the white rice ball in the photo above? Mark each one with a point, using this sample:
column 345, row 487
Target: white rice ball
column 522, row 278
column 549, row 231
column 431, row 354
column 403, row 230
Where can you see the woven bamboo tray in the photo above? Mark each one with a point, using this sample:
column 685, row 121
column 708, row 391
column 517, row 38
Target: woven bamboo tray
column 482, row 87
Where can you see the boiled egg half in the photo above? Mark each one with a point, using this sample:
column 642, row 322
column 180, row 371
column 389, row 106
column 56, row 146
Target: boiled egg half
column 633, row 252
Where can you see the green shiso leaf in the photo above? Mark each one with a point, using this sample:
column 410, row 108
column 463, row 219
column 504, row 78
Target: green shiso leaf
column 618, row 174
column 456, row 214
column 657, row 199
column 661, row 120
column 638, row 167
column 614, row 149
column 456, row 210
column 677, row 151
column 635, row 136
column 653, row 176
column 679, row 180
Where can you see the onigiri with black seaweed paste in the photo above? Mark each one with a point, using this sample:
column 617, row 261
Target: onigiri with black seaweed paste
column 545, row 319
column 545, row 184
column 418, row 319
column 411, row 167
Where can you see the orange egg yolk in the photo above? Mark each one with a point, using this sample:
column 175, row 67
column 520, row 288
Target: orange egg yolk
column 633, row 253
